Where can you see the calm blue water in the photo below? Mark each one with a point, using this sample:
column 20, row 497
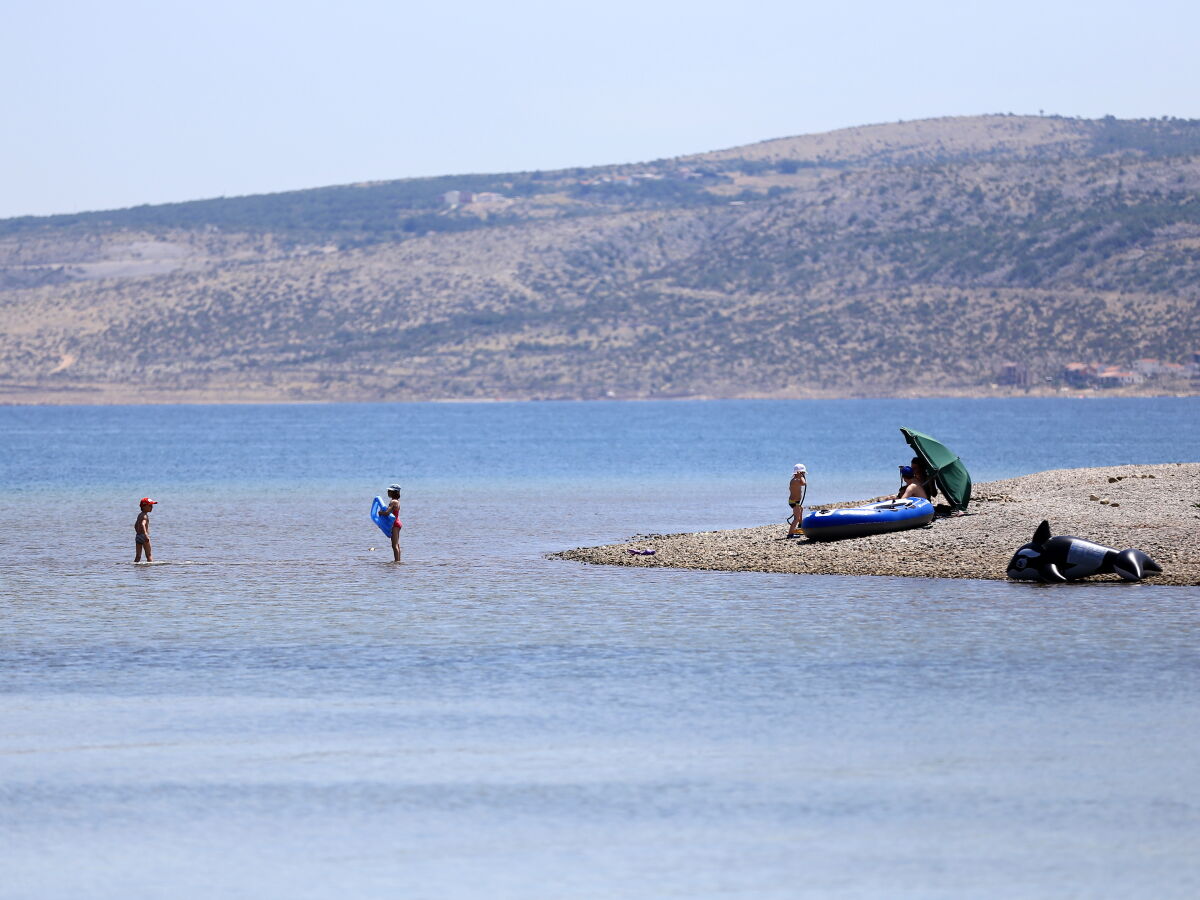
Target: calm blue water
column 276, row 710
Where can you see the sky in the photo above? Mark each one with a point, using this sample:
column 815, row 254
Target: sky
column 109, row 105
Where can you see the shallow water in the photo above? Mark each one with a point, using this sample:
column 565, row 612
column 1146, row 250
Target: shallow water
column 278, row 710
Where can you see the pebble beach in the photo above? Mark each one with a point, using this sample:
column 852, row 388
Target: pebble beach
column 1154, row 508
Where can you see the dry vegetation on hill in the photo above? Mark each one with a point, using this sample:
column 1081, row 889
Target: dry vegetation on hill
column 908, row 258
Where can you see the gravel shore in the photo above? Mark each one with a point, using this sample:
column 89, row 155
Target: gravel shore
column 1155, row 508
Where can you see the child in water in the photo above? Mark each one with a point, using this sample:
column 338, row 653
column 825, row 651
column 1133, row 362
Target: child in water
column 141, row 531
column 797, row 488
column 393, row 508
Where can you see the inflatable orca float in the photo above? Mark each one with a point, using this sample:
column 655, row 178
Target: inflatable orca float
column 1064, row 558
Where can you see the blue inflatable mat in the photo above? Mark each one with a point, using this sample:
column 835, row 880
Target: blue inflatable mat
column 384, row 520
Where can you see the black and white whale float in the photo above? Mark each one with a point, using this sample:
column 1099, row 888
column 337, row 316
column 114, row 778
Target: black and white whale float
column 1053, row 560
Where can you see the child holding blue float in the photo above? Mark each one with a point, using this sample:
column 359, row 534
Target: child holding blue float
column 387, row 517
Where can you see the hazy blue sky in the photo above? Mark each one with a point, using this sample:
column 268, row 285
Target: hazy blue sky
column 128, row 102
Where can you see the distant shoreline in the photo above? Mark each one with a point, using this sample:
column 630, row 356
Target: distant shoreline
column 1155, row 508
column 99, row 396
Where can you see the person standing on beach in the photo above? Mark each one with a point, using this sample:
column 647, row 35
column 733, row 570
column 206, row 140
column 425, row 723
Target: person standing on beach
column 393, row 508
column 141, row 530
column 797, row 488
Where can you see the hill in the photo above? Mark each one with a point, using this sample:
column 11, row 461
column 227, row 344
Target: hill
column 939, row 256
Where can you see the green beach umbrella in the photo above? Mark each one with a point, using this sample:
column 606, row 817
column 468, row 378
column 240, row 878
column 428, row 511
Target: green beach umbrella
column 949, row 474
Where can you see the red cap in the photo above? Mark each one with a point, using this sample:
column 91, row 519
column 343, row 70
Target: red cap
column 148, row 500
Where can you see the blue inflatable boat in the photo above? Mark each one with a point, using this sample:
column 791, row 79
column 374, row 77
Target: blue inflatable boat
column 890, row 515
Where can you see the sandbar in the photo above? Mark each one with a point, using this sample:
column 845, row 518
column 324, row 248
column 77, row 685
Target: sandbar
column 1154, row 508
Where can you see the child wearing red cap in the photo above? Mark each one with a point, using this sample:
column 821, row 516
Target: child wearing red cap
column 141, row 531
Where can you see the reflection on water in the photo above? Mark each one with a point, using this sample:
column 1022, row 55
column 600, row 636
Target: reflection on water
column 281, row 711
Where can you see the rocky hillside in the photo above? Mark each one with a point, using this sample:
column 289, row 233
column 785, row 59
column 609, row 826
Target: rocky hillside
column 925, row 257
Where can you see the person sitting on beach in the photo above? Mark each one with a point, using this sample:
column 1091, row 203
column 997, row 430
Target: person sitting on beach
column 913, row 481
column 797, row 488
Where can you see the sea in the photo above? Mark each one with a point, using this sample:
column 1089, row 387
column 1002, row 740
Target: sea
column 275, row 709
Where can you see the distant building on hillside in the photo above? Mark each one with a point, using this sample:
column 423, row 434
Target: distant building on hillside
column 1078, row 374
column 1155, row 368
column 1112, row 377
column 1015, row 374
